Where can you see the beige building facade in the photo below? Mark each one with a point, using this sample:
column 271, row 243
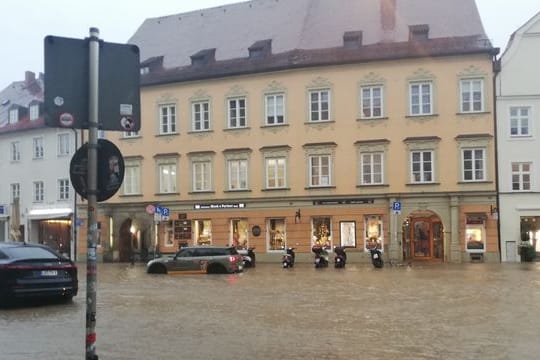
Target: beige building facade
column 359, row 145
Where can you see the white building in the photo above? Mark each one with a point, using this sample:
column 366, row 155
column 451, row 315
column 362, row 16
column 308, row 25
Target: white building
column 37, row 199
column 518, row 134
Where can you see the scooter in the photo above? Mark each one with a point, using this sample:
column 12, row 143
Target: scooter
column 320, row 256
column 287, row 260
column 341, row 257
column 248, row 257
column 376, row 258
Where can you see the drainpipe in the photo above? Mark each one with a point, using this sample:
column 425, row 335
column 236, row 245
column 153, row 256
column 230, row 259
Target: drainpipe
column 496, row 70
column 74, row 222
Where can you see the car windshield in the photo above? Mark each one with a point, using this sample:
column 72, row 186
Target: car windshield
column 29, row 252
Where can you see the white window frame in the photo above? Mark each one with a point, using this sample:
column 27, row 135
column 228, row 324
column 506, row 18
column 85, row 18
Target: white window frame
column 371, row 103
column 318, row 177
column 39, row 192
column 237, row 174
column 319, row 106
column 519, row 121
column 167, row 119
column 524, row 177
column 15, row 191
column 237, row 114
column 132, row 178
column 468, row 89
column 13, row 116
column 34, row 112
column 201, row 175
column 15, row 150
column 167, row 176
column 274, row 109
column 37, row 147
column 64, row 144
column 420, row 85
column 200, row 115
column 130, row 134
column 63, row 189
column 276, row 172
column 369, row 162
column 477, row 166
column 422, row 172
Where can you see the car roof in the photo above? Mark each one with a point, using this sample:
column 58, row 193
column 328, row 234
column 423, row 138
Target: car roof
column 12, row 244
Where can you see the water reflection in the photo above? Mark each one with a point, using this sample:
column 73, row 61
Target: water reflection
column 470, row 311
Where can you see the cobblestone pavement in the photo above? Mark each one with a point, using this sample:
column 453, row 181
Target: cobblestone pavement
column 469, row 311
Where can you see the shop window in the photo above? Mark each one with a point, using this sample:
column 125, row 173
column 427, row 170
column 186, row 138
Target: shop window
column 276, row 234
column 202, row 231
column 475, row 233
column 373, row 232
column 168, row 234
column 239, row 233
column 321, row 232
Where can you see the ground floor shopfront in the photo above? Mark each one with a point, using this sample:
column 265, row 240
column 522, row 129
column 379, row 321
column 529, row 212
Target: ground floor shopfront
column 442, row 228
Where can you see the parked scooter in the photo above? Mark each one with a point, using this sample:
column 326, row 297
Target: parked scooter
column 340, row 258
column 248, row 256
column 376, row 258
column 321, row 254
column 287, row 261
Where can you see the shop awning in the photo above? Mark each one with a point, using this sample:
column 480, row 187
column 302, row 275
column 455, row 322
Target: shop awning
column 51, row 213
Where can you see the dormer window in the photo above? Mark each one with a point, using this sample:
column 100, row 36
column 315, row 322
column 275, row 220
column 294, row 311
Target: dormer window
column 419, row 32
column 145, row 70
column 14, row 116
column 352, row 39
column 204, row 57
column 34, row 111
column 260, row 49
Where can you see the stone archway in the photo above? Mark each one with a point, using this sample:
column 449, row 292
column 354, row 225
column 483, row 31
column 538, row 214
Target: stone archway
column 423, row 237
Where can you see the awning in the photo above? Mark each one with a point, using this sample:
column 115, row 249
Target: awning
column 50, row 213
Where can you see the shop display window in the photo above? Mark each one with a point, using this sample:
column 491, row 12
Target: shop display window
column 202, row 232
column 321, row 232
column 373, row 232
column 239, row 233
column 276, row 234
column 475, row 234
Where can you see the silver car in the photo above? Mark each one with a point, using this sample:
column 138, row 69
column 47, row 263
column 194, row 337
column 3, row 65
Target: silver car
column 199, row 259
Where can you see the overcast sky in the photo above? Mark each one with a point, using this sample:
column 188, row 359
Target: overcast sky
column 24, row 24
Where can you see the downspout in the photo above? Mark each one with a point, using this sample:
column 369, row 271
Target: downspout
column 74, row 223
column 496, row 70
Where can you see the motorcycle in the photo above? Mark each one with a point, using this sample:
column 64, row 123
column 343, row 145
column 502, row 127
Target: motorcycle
column 287, row 261
column 320, row 256
column 341, row 257
column 376, row 258
column 248, row 256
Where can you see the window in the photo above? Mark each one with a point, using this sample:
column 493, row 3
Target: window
column 37, row 147
column 15, row 151
column 38, row 191
column 64, row 144
column 101, row 134
column 202, row 176
column 237, row 174
column 13, row 116
column 168, row 234
column 519, row 121
column 130, row 134
column 319, row 105
column 319, row 170
column 167, row 119
column 372, row 168
column 321, row 231
column 132, row 178
column 167, row 176
column 474, row 164
column 202, row 231
column 420, row 98
column 15, row 191
column 472, row 97
column 276, row 234
column 275, row 109
column 475, row 233
column 275, row 172
column 34, row 112
column 200, row 116
column 237, row 113
column 372, row 101
column 521, row 176
column 373, row 232
column 63, row 189
column 421, row 166
column 239, row 233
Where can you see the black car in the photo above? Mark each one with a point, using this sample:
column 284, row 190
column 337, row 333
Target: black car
column 30, row 271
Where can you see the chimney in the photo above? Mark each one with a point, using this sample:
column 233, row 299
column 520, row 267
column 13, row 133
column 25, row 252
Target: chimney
column 204, row 57
column 352, row 39
column 29, row 77
column 418, row 32
column 388, row 15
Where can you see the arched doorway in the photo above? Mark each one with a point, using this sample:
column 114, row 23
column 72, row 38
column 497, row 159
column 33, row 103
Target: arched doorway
column 125, row 243
column 423, row 237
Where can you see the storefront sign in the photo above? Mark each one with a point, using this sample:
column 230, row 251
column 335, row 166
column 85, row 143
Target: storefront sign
column 343, row 201
column 219, row 206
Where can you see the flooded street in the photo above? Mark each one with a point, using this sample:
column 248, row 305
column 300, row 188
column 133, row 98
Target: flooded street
column 470, row 311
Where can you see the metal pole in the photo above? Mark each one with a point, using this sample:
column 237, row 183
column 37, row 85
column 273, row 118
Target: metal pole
column 91, row 263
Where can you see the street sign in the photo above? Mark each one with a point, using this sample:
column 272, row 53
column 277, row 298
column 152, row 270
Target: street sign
column 396, row 207
column 66, row 84
column 164, row 214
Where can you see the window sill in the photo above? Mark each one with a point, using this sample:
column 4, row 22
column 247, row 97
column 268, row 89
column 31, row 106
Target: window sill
column 237, row 190
column 272, row 126
column 475, row 182
column 372, row 118
column 197, row 132
column 422, row 184
column 319, row 122
column 130, row 195
column 473, row 113
column 168, row 134
column 277, row 189
column 319, row 187
column 421, row 116
column 130, row 137
column 372, row 185
column 237, row 128
column 166, row 193
column 202, row 192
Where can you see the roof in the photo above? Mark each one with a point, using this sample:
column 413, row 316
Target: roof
column 300, row 25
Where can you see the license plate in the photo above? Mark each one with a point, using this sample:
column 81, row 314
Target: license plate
column 49, row 272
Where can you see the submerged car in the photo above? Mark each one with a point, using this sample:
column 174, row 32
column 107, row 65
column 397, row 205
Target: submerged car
column 30, row 271
column 199, row 259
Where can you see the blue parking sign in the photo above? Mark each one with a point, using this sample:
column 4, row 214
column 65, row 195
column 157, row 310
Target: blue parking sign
column 165, row 212
column 396, row 206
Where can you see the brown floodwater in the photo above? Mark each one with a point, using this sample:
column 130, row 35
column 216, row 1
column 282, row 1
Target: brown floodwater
column 468, row 311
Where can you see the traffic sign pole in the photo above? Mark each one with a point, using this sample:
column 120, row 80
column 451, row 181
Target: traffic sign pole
column 91, row 255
